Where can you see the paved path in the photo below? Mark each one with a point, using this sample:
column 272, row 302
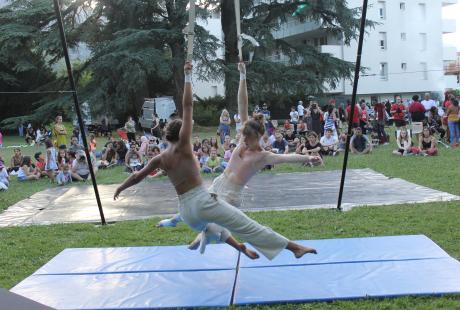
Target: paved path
column 282, row 191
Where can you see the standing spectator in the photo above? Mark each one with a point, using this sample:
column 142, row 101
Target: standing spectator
column 330, row 121
column 130, row 127
column 452, row 119
column 21, row 129
column 4, row 178
column 59, row 132
column 356, row 114
column 294, row 115
column 387, row 112
column 26, row 171
column 51, row 164
column 265, row 112
column 398, row 111
column 315, row 113
column 16, row 161
column 155, row 129
column 307, row 117
column 417, row 115
column 300, row 109
column 380, row 116
column 359, row 143
column 364, row 119
column 404, row 143
column 238, row 124
column 224, row 125
column 428, row 103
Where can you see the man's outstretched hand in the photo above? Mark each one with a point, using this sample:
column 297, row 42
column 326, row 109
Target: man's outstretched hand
column 117, row 193
column 316, row 160
column 242, row 67
column 188, row 68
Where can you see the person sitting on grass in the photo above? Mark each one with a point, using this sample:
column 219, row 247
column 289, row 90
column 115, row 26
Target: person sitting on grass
column 213, row 164
column 342, row 143
column 80, row 168
column 74, row 145
column 40, row 163
column 404, row 143
column 227, row 142
column 359, row 143
column 228, row 153
column 64, row 175
column 133, row 159
column 329, row 143
column 121, row 150
column 196, row 145
column 153, row 152
column 312, row 147
column 280, row 146
column 109, row 157
column 427, row 144
column 4, row 178
column 301, row 145
column 26, row 172
column 16, row 161
column 203, row 154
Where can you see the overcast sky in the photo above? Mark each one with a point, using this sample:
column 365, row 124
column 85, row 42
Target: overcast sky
column 453, row 12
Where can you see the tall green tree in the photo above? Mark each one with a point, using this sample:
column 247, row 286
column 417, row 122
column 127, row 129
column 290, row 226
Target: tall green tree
column 306, row 70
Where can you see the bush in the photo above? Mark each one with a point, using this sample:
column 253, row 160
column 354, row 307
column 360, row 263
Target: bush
column 207, row 111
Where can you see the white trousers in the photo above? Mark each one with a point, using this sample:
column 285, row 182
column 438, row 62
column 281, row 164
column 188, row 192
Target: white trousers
column 198, row 208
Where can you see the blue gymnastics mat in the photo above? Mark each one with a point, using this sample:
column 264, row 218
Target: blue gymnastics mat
column 175, row 277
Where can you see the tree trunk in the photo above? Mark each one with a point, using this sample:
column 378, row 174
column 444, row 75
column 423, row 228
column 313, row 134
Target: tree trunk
column 231, row 51
column 178, row 61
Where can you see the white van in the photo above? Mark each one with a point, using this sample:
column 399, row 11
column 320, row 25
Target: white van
column 162, row 106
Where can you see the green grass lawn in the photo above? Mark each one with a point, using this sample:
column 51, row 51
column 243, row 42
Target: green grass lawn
column 25, row 249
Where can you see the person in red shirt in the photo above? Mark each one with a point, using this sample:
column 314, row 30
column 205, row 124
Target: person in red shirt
column 380, row 116
column 364, row 119
column 356, row 114
column 398, row 111
column 417, row 110
column 40, row 163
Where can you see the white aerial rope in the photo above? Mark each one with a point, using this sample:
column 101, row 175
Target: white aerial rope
column 190, row 31
column 240, row 36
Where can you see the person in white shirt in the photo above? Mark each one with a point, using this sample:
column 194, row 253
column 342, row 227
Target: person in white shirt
column 294, row 118
column 237, row 120
column 329, row 143
column 300, row 109
column 428, row 103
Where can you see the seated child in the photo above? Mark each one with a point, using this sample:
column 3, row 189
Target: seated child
column 4, row 178
column 40, row 163
column 329, row 143
column 64, row 175
column 26, row 171
column 213, row 164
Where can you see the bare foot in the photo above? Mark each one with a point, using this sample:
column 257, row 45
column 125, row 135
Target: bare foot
column 302, row 250
column 195, row 243
column 248, row 253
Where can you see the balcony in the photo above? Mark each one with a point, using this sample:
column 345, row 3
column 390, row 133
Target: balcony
column 452, row 68
column 449, row 25
column 334, row 50
column 295, row 27
column 449, row 53
column 448, row 2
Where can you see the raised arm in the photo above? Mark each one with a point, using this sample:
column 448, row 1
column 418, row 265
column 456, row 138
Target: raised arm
column 243, row 94
column 185, row 133
column 273, row 159
column 138, row 176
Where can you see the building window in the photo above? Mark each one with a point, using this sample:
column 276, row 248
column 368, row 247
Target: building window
column 382, row 9
column 384, row 71
column 424, row 71
column 423, row 41
column 403, row 36
column 422, row 10
column 323, row 41
column 402, row 6
column 403, row 66
column 383, row 40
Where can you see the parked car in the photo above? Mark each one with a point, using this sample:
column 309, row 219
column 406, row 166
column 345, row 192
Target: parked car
column 162, row 106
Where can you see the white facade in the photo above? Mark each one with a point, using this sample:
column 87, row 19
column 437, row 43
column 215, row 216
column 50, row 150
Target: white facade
column 403, row 54
column 205, row 89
